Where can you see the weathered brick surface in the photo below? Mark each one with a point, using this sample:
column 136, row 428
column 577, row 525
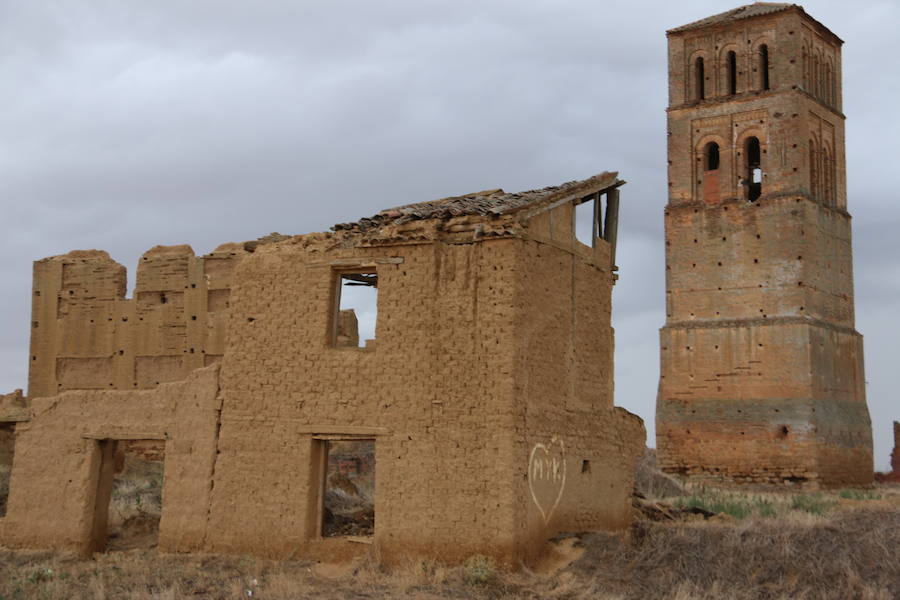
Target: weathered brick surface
column 13, row 407
column 488, row 390
column 54, row 483
column 761, row 367
column 483, row 352
column 87, row 335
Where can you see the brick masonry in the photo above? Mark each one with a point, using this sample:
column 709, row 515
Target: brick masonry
column 761, row 368
column 488, row 390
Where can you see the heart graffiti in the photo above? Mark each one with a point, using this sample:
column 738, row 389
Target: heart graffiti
column 547, row 476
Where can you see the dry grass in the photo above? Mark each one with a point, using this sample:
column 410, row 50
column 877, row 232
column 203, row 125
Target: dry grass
column 838, row 545
column 842, row 555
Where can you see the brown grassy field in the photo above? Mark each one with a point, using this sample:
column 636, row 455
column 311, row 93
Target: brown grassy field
column 842, row 545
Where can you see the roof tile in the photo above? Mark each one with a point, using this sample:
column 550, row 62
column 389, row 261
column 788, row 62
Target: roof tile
column 486, row 203
column 756, row 9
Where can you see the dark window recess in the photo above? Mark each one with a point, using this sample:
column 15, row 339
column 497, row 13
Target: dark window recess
column 754, row 173
column 732, row 73
column 764, row 66
column 711, row 154
column 700, row 79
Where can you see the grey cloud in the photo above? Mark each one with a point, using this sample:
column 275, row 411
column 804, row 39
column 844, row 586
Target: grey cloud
column 130, row 124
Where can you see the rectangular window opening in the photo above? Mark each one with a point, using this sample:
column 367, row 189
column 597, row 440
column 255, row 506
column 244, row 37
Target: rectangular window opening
column 587, row 220
column 348, row 488
column 129, row 495
column 7, row 451
column 356, row 302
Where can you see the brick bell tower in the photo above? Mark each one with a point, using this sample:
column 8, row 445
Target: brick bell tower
column 761, row 375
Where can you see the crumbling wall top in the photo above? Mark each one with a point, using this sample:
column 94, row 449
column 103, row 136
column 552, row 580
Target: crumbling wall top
column 176, row 250
column 13, row 407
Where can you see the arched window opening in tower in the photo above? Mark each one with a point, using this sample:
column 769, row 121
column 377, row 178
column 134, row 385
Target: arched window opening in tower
column 732, row 73
column 764, row 66
column 754, row 169
column 701, row 79
column 711, row 156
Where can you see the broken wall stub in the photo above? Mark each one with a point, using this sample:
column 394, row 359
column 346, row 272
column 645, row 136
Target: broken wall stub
column 13, row 407
column 487, row 391
column 761, row 367
column 87, row 335
column 53, row 498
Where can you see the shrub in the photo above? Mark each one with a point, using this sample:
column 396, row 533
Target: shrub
column 479, row 570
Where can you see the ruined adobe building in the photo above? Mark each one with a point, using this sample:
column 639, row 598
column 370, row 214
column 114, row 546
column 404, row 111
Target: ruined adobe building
column 488, row 390
column 761, row 367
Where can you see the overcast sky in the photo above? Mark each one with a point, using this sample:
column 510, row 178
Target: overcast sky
column 126, row 124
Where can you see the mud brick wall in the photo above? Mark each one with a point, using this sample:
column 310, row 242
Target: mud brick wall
column 488, row 391
column 761, row 375
column 436, row 394
column 54, row 483
column 473, row 368
column 87, row 335
column 13, row 407
column 575, row 451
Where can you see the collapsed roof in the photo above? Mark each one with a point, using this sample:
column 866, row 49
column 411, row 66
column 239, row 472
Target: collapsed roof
column 487, row 203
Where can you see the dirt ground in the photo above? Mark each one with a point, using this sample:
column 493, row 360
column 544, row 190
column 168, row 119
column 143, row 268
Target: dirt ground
column 850, row 549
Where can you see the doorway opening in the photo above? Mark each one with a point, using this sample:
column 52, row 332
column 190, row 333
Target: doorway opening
column 347, row 487
column 7, row 451
column 129, row 495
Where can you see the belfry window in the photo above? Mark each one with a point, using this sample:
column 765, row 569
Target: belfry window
column 711, row 157
column 732, row 73
column 700, row 79
column 764, row 66
column 753, row 176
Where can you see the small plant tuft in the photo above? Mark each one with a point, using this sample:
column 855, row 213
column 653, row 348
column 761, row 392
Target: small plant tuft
column 814, row 504
column 479, row 570
column 851, row 494
column 40, row 575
